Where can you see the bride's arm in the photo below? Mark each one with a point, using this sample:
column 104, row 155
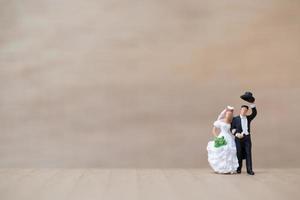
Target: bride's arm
column 216, row 128
column 215, row 131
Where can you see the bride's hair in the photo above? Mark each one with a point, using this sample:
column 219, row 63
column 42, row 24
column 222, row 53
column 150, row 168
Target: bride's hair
column 229, row 115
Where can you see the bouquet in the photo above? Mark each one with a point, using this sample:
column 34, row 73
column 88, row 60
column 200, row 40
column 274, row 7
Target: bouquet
column 220, row 141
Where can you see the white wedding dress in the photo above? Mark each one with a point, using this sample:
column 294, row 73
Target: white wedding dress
column 223, row 159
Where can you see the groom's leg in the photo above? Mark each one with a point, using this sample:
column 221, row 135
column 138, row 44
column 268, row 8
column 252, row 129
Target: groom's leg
column 239, row 153
column 248, row 149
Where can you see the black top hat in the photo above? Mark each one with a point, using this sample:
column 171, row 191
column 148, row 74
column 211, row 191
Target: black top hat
column 248, row 96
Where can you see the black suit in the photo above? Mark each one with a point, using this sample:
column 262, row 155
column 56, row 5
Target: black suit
column 244, row 145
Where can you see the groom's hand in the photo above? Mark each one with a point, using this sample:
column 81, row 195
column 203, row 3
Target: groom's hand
column 239, row 135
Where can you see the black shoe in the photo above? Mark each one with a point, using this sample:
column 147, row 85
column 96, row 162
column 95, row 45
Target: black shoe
column 238, row 171
column 251, row 173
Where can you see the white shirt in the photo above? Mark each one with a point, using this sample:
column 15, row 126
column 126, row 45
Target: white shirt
column 244, row 122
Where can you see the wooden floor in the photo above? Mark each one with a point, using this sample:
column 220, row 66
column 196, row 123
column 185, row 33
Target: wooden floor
column 152, row 184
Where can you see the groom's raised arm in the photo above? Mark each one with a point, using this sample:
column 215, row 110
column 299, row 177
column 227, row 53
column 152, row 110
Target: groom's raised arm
column 254, row 112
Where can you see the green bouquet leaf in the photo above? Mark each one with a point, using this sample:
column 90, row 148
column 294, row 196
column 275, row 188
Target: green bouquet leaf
column 220, row 141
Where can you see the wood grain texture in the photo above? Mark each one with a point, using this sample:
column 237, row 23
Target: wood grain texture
column 146, row 184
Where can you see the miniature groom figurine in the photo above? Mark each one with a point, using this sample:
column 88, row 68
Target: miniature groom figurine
column 240, row 127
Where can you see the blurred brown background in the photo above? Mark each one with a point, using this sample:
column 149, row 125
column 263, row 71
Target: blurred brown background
column 138, row 83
